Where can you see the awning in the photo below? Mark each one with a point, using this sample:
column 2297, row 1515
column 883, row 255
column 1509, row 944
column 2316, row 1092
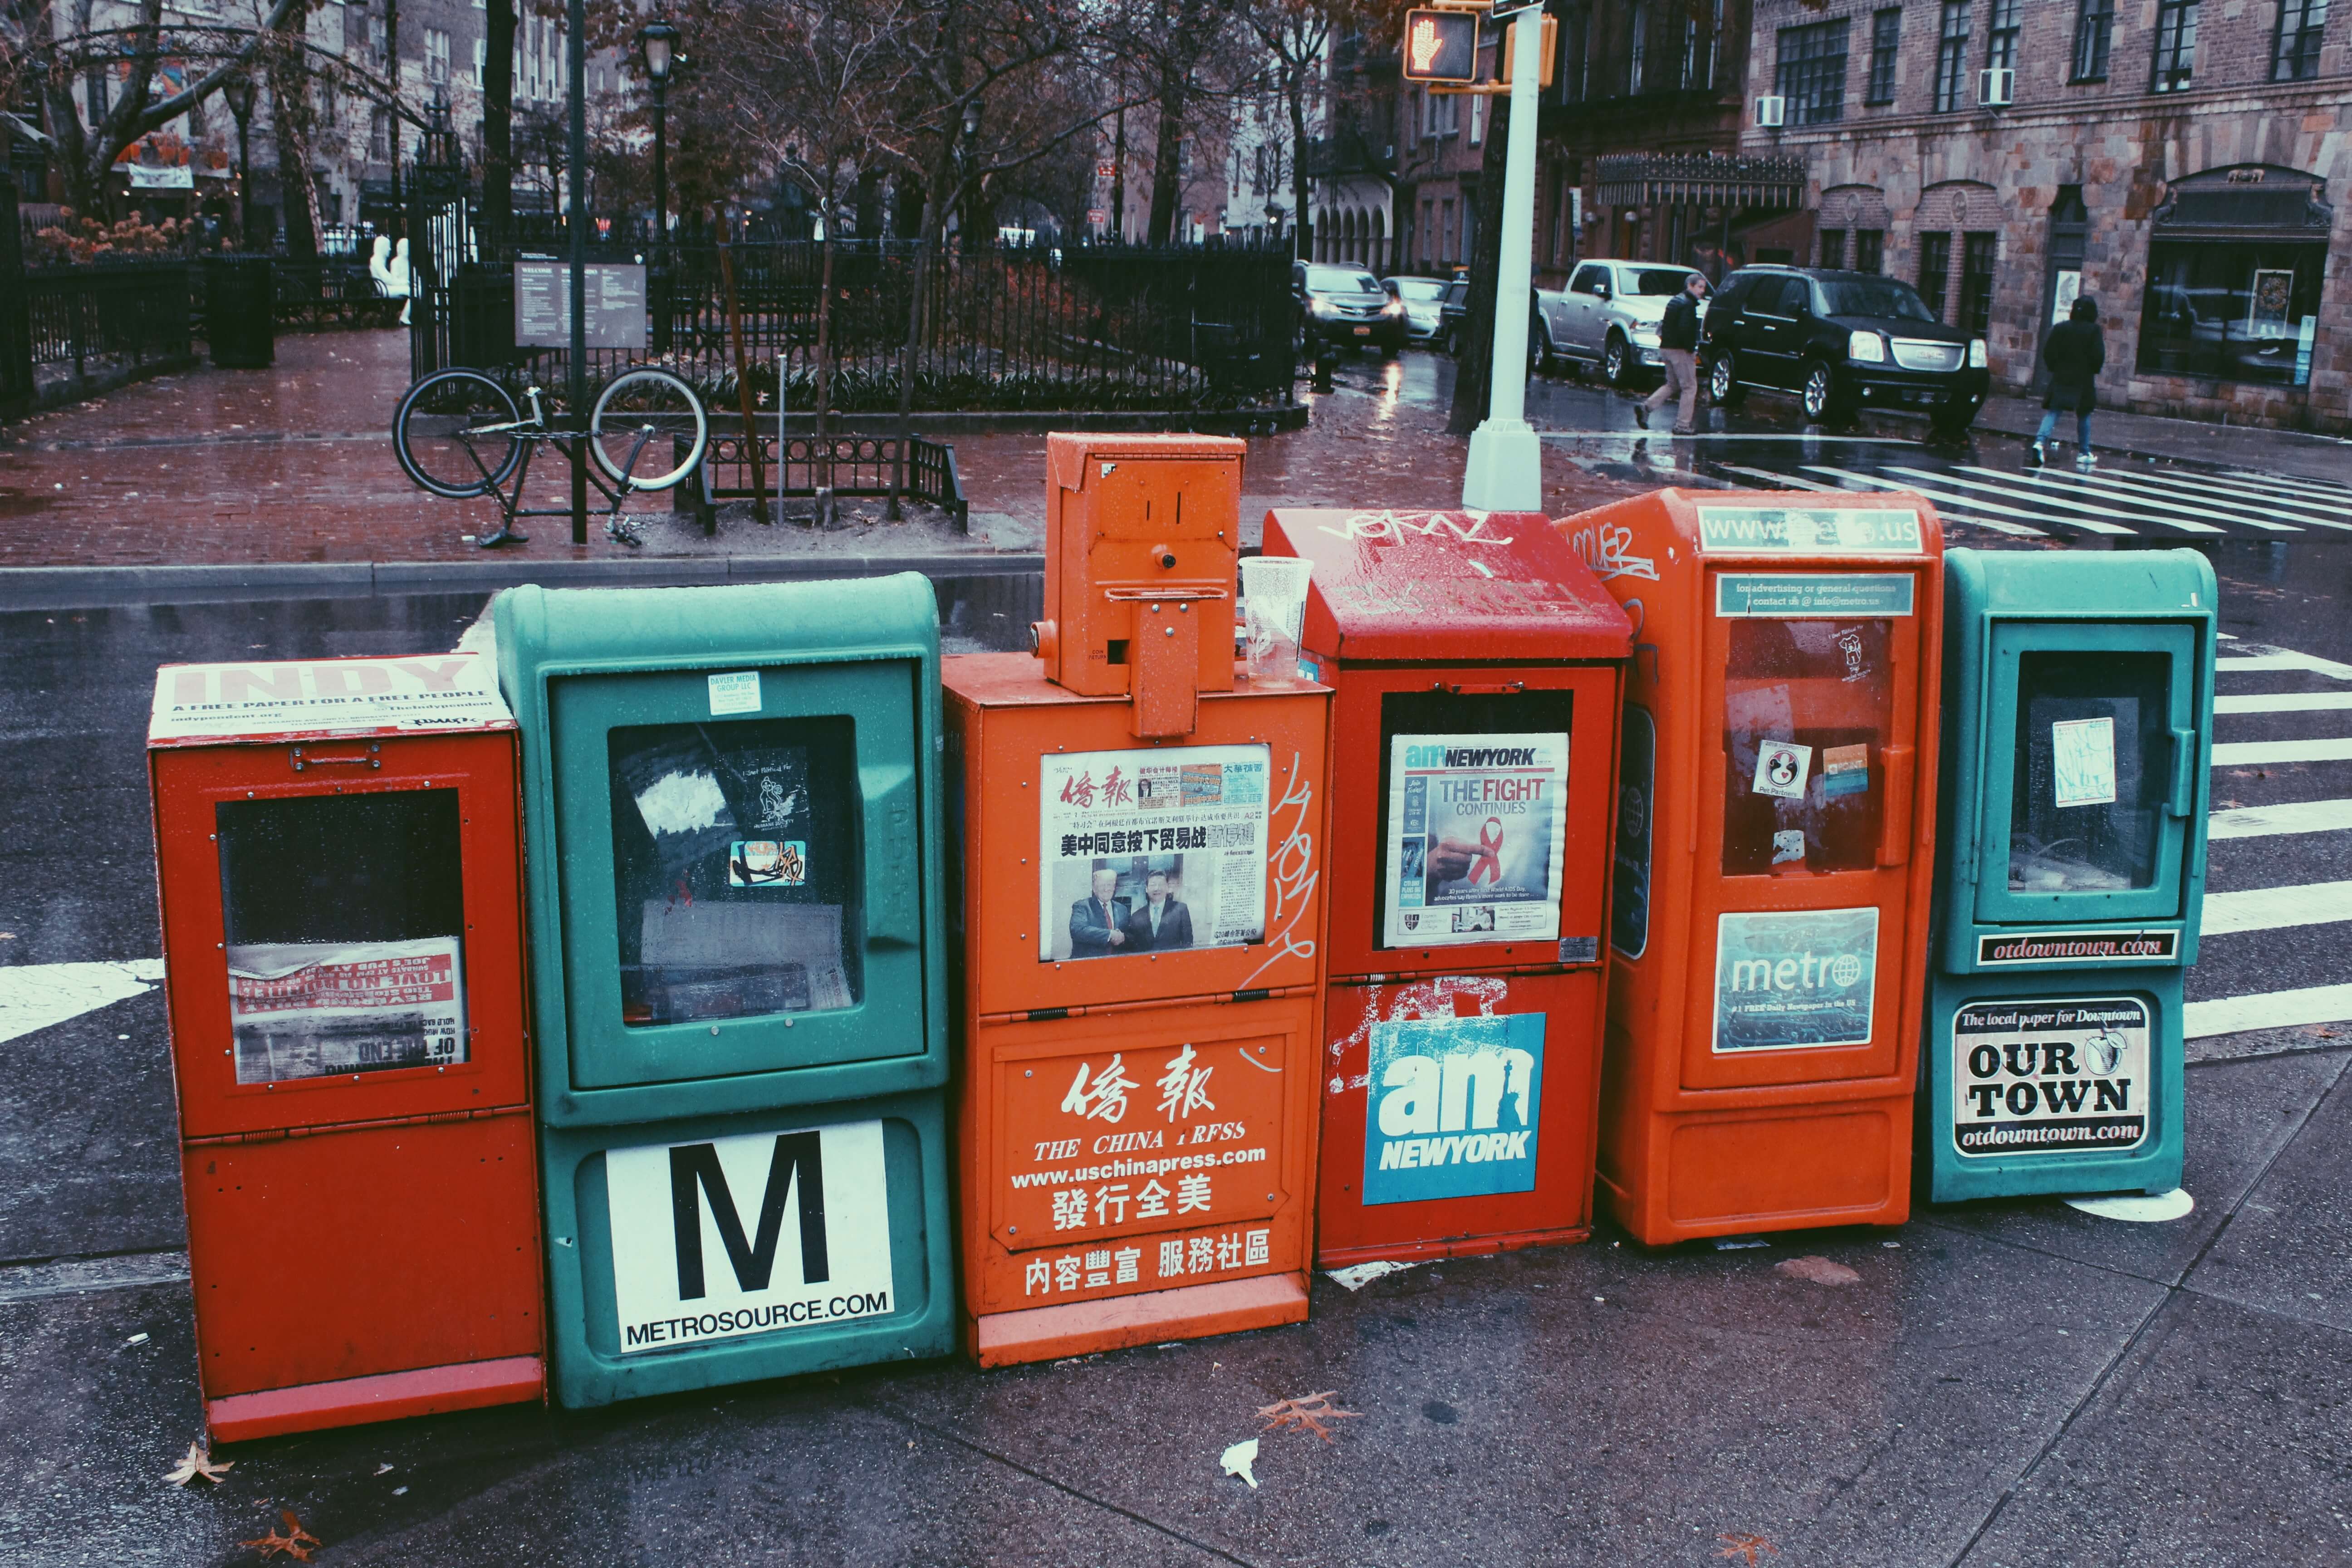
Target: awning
column 1704, row 179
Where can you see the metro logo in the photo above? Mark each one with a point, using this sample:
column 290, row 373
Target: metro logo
column 1800, row 971
column 1451, row 1107
column 695, row 1173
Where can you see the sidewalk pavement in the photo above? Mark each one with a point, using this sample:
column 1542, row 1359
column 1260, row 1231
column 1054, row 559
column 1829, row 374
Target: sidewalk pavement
column 294, row 463
column 2193, row 441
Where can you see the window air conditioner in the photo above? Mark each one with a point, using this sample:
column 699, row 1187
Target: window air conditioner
column 1769, row 111
column 1996, row 87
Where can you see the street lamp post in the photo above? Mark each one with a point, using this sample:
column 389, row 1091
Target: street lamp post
column 238, row 90
column 658, row 41
column 1505, row 470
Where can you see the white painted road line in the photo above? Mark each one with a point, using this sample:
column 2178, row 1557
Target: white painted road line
column 80, row 1276
column 1926, row 482
column 2282, row 701
column 37, row 995
column 2258, row 753
column 1951, row 506
column 2214, row 491
column 2267, row 1010
column 1775, row 481
column 2274, row 908
column 2128, row 491
column 2035, row 488
column 2280, row 660
column 2262, row 821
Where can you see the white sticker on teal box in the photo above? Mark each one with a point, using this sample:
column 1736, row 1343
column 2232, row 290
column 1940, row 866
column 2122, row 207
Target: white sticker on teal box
column 736, row 692
column 2083, row 760
column 1450, row 1109
column 1798, row 595
column 1796, row 979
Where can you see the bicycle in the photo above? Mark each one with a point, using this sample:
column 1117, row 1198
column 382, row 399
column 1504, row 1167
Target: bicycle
column 459, row 434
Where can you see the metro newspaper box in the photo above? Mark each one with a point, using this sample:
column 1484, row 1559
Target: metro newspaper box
column 339, row 868
column 732, row 798
column 2070, row 869
column 1142, row 912
column 1775, row 812
column 1479, row 670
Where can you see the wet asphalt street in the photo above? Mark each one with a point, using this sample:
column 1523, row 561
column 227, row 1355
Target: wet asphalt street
column 2012, row 1384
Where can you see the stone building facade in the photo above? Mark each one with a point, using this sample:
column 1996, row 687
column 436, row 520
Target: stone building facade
column 2185, row 163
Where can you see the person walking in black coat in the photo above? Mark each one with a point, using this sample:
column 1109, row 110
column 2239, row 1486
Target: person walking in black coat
column 2073, row 353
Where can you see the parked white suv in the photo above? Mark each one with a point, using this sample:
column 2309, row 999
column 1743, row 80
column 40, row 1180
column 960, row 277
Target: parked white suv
column 1608, row 315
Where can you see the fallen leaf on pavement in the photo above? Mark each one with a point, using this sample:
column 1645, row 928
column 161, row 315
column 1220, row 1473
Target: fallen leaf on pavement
column 1819, row 1270
column 1307, row 1413
column 1237, row 1460
column 296, row 1543
column 1745, row 1547
column 199, row 1462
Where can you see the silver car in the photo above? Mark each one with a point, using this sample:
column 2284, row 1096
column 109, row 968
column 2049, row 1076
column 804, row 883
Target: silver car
column 1423, row 298
column 1608, row 315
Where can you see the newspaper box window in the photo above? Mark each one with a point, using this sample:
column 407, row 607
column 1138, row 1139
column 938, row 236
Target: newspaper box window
column 1477, row 816
column 2090, row 778
column 338, row 855
column 1152, row 851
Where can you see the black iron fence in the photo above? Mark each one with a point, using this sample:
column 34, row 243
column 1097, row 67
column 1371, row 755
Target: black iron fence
column 105, row 321
column 848, row 465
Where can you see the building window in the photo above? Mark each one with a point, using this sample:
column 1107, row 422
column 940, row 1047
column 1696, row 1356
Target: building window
column 1811, row 72
column 1833, row 248
column 1886, row 38
column 481, row 62
column 2095, row 25
column 1978, row 252
column 2228, row 310
column 379, row 134
column 2301, row 24
column 1934, row 271
column 1869, row 250
column 2000, row 38
column 1952, row 58
column 1478, row 121
column 436, row 54
column 1637, row 46
column 1575, row 55
column 2176, row 44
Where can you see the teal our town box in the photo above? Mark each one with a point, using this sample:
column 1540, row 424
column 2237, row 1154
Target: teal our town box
column 2070, row 869
column 731, row 799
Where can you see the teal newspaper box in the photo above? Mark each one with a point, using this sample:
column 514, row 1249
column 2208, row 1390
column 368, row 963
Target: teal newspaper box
column 731, row 800
column 2070, row 869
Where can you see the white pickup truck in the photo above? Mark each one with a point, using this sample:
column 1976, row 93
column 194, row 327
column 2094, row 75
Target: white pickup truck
column 1608, row 316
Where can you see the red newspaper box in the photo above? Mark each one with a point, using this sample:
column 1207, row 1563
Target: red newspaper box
column 1777, row 812
column 1479, row 666
column 340, row 865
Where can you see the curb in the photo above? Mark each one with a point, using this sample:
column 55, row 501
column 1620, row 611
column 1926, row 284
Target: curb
column 1017, row 421
column 89, row 587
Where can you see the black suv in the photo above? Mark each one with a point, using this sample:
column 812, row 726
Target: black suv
column 1344, row 305
column 1840, row 341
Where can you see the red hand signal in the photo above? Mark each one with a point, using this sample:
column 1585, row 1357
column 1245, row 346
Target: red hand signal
column 1424, row 43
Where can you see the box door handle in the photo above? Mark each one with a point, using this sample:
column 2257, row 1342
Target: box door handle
column 1894, row 815
column 893, row 856
column 2183, row 801
column 1499, row 689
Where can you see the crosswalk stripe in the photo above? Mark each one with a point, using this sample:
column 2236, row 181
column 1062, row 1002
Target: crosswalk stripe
column 2267, row 1010
column 2207, row 488
column 2263, row 821
column 2127, row 492
column 2272, row 909
column 2282, row 658
column 2026, row 491
column 40, row 996
column 1981, row 504
column 2282, row 701
column 2256, row 753
column 2316, row 488
column 1962, row 509
column 1775, row 480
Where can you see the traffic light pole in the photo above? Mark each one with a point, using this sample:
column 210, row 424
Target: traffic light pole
column 1505, row 469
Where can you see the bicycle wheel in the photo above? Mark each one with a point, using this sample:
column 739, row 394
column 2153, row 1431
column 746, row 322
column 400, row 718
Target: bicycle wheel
column 648, row 431
column 457, row 434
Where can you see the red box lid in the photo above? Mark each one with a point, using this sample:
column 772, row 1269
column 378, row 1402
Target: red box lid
column 1447, row 585
column 237, row 704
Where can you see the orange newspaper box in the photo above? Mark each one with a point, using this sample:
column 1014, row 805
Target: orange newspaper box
column 1479, row 665
column 1776, row 816
column 1141, row 915
column 340, row 864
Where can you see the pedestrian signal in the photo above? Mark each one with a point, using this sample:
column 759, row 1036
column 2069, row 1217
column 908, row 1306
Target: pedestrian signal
column 1441, row 46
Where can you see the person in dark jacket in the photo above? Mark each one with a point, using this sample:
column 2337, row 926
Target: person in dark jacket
column 1159, row 923
column 2073, row 353
column 1678, row 346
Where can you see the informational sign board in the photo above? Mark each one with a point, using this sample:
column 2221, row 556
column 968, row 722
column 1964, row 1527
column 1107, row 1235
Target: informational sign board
column 2050, row 1074
column 750, row 1235
column 1152, row 851
column 1476, row 825
column 1795, row 979
column 1451, row 1106
column 616, row 305
column 1796, row 595
column 206, row 703
column 1810, row 531
column 2063, row 297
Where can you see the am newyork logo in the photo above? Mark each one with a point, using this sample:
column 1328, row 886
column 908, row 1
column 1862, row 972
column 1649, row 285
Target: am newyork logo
column 1452, row 1108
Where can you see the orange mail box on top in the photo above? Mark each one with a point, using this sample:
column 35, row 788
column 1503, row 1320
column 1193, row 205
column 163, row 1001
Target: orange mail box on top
column 340, row 864
column 1776, row 814
column 1141, row 915
column 1479, row 666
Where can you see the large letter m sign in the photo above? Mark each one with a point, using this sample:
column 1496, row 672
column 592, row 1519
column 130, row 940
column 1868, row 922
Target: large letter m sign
column 798, row 1155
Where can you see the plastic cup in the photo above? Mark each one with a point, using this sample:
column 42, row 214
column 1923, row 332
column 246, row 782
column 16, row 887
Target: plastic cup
column 1274, row 612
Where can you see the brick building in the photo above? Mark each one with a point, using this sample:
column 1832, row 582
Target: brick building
column 2185, row 162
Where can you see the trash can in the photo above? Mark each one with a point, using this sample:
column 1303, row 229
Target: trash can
column 339, row 868
column 1143, row 891
column 1479, row 666
column 1776, row 811
column 240, row 305
column 733, row 807
column 2070, row 869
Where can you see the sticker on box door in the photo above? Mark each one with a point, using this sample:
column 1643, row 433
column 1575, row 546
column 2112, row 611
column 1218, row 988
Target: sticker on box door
column 1152, row 851
column 736, row 692
column 1794, row 980
column 767, row 863
column 322, row 1009
column 1476, row 824
column 749, row 1234
column 1451, row 1111
column 2042, row 1075
column 1781, row 767
column 1845, row 770
column 2083, row 760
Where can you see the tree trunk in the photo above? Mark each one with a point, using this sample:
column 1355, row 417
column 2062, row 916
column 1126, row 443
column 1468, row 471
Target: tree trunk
column 939, row 192
column 1165, row 155
column 296, row 195
column 1302, row 232
column 1472, row 371
column 498, row 119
